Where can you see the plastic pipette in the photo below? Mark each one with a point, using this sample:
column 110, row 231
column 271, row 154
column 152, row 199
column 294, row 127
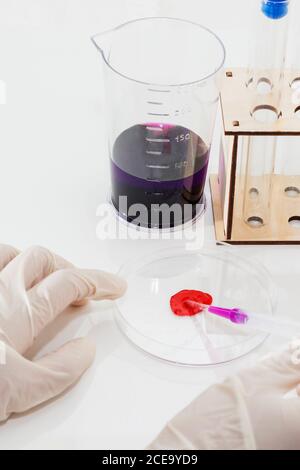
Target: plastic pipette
column 283, row 328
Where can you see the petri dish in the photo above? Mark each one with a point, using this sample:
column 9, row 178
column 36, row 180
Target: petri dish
column 145, row 317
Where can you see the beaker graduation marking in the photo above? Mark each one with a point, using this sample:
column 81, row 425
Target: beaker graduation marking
column 159, row 114
column 158, row 167
column 152, row 90
column 148, row 139
column 155, row 103
column 154, row 129
column 152, row 152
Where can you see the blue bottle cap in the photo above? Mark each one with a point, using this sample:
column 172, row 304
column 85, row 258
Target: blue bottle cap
column 275, row 9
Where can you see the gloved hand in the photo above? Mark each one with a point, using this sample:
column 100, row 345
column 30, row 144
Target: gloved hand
column 35, row 286
column 246, row 412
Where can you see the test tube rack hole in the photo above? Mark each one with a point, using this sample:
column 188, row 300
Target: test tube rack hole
column 228, row 188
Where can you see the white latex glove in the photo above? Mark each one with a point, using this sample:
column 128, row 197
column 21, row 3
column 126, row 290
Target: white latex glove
column 35, row 287
column 246, row 412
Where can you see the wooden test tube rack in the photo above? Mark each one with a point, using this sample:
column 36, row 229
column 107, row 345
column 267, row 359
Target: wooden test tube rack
column 228, row 187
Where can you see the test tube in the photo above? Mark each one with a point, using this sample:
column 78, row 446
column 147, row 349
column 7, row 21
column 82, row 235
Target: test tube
column 264, row 80
column 288, row 148
column 293, row 56
column 268, row 55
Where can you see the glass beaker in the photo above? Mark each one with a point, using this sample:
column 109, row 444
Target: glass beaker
column 162, row 89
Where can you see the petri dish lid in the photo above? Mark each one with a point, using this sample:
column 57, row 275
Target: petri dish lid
column 145, row 317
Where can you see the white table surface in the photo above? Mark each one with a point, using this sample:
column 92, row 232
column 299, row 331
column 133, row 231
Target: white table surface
column 54, row 174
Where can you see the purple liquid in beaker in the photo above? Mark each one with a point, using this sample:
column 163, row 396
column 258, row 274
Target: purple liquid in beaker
column 155, row 165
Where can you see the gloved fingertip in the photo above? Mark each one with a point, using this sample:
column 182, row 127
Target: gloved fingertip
column 72, row 358
column 80, row 303
column 121, row 285
column 168, row 439
column 111, row 287
column 13, row 251
column 84, row 349
column 7, row 254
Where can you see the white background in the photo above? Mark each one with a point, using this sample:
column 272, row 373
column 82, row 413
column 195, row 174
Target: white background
column 54, row 174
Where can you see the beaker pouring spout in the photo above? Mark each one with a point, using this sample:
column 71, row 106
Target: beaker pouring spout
column 103, row 41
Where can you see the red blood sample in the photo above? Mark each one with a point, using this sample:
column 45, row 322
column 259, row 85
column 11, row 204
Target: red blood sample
column 188, row 303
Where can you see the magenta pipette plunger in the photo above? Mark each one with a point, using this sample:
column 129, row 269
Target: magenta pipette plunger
column 278, row 327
